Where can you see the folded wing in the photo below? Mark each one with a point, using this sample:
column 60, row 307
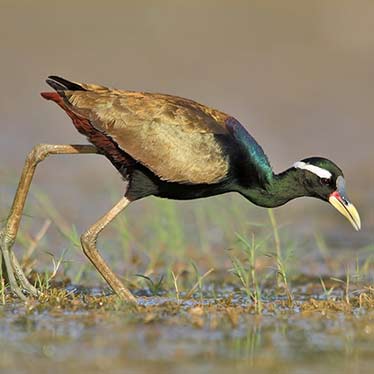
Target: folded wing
column 176, row 138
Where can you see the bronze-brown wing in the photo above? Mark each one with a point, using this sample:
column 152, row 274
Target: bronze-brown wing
column 172, row 136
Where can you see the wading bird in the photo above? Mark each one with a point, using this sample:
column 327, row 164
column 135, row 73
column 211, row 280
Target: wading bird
column 170, row 147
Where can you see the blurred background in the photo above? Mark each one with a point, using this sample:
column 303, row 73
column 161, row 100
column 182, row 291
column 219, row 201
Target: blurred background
column 298, row 74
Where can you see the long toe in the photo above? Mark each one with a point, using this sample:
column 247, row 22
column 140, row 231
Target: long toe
column 17, row 290
column 20, row 275
column 9, row 270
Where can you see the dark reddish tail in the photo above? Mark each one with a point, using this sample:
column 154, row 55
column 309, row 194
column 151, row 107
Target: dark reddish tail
column 54, row 96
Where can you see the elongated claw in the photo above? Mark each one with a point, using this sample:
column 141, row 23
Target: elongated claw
column 17, row 280
column 22, row 279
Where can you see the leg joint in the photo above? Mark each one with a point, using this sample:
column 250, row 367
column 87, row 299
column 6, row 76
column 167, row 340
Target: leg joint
column 39, row 153
column 6, row 240
column 88, row 240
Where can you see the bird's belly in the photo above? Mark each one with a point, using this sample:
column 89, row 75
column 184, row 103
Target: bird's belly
column 179, row 191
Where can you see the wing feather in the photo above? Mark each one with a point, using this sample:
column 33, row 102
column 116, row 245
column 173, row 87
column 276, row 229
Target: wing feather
column 174, row 137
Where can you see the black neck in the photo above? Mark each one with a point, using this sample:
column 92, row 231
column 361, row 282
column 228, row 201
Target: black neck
column 280, row 189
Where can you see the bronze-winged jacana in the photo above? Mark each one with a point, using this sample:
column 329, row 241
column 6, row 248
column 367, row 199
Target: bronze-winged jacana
column 170, row 147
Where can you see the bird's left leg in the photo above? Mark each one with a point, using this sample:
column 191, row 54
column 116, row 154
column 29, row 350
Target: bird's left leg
column 14, row 272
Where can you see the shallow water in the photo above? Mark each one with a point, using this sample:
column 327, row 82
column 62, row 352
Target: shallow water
column 188, row 337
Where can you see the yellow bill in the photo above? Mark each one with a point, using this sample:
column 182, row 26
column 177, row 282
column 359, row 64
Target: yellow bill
column 346, row 208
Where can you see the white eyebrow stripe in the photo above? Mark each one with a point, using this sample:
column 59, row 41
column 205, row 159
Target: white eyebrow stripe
column 322, row 173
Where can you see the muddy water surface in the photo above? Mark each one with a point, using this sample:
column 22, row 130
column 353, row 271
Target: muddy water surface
column 164, row 337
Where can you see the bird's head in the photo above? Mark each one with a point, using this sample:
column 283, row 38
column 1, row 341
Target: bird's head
column 323, row 179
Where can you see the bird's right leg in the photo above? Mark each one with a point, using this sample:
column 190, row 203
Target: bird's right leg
column 89, row 239
column 15, row 275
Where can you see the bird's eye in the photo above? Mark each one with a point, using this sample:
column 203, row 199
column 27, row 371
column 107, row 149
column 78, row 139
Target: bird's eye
column 325, row 181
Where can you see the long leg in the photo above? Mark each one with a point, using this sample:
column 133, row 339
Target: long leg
column 14, row 272
column 89, row 239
